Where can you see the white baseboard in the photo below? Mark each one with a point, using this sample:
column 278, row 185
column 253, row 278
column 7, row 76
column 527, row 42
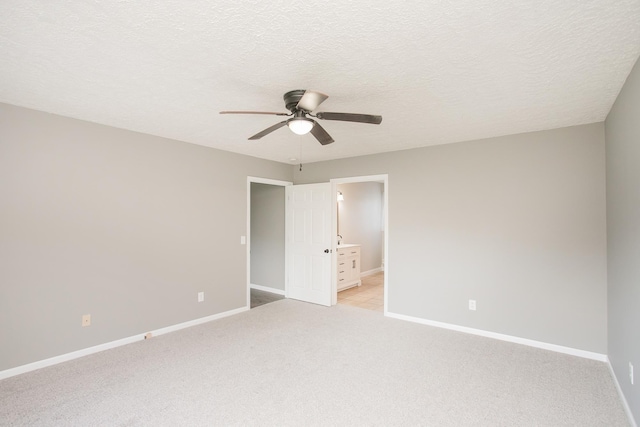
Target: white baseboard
column 531, row 343
column 371, row 272
column 267, row 289
column 627, row 409
column 112, row 344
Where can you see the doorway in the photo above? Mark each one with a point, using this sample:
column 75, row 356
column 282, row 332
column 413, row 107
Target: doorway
column 361, row 220
column 265, row 241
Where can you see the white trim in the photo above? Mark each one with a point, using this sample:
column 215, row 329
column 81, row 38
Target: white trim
column 371, row 272
column 268, row 289
column 365, row 178
column 113, row 344
column 502, row 337
column 625, row 404
column 268, row 181
column 251, row 179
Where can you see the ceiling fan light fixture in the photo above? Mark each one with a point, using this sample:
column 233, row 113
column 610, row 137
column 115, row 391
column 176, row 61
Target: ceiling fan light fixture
column 300, row 125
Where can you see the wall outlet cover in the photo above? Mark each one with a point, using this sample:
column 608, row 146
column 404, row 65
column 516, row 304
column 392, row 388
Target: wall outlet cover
column 86, row 320
column 472, row 304
column 200, row 296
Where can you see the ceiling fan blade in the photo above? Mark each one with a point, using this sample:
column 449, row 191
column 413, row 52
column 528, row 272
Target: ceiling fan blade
column 311, row 100
column 321, row 135
column 268, row 130
column 349, row 117
column 271, row 113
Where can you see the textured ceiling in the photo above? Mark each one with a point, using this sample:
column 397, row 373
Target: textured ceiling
column 437, row 71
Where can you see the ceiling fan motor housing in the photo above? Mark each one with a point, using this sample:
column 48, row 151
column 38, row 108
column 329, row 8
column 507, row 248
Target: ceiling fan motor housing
column 292, row 98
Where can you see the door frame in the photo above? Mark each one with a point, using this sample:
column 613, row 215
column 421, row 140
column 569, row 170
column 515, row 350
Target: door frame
column 258, row 180
column 384, row 179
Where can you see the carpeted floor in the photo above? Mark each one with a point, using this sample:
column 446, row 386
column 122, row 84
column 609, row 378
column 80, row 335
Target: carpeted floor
column 292, row 363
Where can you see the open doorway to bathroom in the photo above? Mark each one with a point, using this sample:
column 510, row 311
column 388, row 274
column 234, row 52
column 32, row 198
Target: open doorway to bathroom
column 360, row 252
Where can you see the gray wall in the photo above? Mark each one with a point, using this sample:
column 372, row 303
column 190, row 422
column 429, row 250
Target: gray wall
column 623, row 232
column 516, row 223
column 361, row 220
column 267, row 235
column 124, row 226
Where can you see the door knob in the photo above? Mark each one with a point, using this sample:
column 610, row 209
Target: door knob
column 326, row 251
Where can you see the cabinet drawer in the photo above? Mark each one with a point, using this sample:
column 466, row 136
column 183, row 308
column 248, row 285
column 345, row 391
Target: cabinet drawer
column 344, row 252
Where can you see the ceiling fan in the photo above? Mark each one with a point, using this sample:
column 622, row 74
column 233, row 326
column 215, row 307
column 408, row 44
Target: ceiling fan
column 301, row 103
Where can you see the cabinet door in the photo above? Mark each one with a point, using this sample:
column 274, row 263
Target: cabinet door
column 351, row 265
column 354, row 264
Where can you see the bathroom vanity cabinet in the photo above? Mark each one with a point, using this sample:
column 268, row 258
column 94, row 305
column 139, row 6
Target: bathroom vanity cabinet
column 348, row 263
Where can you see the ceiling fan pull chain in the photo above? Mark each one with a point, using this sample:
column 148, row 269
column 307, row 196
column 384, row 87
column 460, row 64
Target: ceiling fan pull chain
column 300, row 156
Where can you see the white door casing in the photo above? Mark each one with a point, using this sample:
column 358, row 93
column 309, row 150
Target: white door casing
column 308, row 242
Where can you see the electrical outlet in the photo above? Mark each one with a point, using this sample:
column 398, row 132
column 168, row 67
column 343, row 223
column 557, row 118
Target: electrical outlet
column 200, row 296
column 631, row 372
column 472, row 304
column 86, row 320
column 243, row 240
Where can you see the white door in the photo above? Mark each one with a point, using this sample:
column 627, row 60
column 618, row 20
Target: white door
column 308, row 245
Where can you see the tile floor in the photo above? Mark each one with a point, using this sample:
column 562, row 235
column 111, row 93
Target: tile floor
column 259, row 298
column 369, row 295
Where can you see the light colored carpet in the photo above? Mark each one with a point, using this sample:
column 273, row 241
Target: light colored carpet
column 291, row 363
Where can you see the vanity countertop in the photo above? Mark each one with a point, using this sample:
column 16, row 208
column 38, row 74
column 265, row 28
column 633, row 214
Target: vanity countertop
column 347, row 245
